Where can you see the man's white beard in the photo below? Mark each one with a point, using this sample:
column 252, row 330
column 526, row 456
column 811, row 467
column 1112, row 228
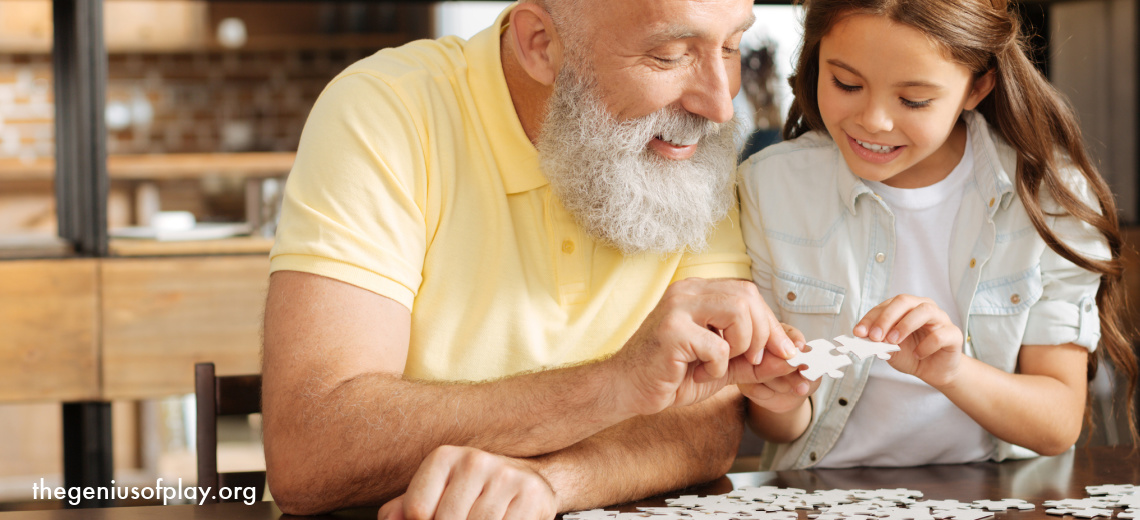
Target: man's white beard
column 619, row 190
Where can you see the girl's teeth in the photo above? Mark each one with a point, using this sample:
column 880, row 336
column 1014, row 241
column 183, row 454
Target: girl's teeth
column 876, row 148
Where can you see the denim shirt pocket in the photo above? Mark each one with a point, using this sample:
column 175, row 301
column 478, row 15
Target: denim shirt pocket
column 808, row 304
column 1008, row 295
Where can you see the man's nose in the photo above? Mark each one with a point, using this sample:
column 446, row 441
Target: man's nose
column 709, row 93
column 875, row 117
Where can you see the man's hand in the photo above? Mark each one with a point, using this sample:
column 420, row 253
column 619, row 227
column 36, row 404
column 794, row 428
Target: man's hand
column 702, row 335
column 458, row 482
column 784, row 393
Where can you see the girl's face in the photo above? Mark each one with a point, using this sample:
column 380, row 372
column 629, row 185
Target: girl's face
column 891, row 99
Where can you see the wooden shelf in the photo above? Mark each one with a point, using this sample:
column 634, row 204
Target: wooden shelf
column 164, row 166
column 283, row 42
column 225, row 246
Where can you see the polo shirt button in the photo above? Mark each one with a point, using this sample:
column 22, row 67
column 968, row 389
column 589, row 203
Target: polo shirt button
column 1015, row 299
column 842, row 402
column 812, row 456
column 880, row 257
column 791, row 296
column 973, row 262
column 567, row 246
column 969, row 339
column 992, row 202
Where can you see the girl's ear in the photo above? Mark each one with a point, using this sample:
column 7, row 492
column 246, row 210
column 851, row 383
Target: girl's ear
column 536, row 42
column 983, row 85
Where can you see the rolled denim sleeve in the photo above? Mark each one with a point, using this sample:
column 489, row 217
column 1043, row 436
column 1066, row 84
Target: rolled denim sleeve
column 1067, row 311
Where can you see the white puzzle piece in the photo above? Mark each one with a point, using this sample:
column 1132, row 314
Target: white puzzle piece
column 865, row 348
column 1130, row 514
column 943, row 505
column 963, row 514
column 1002, row 505
column 1111, row 489
column 820, row 360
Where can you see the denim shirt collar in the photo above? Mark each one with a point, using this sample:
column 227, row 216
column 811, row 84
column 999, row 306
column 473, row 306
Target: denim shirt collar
column 992, row 171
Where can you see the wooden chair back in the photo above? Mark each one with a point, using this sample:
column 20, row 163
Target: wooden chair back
column 218, row 396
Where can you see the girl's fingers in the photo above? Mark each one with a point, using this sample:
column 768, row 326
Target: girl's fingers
column 890, row 314
column 926, row 313
column 862, row 328
column 942, row 338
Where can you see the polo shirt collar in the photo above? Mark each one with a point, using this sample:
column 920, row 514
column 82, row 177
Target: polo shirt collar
column 515, row 155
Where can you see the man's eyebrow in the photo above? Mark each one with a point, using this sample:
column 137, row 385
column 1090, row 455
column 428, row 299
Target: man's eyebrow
column 682, row 32
column 901, row 84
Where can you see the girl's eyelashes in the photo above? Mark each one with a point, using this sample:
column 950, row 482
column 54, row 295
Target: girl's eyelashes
column 915, row 104
column 906, row 102
column 843, row 86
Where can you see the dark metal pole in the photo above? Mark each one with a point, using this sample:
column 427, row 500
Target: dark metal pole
column 88, row 461
column 79, row 66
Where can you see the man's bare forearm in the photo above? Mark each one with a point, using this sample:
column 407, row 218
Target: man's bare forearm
column 364, row 438
column 647, row 455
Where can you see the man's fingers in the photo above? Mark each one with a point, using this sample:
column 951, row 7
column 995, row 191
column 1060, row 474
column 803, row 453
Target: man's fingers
column 712, row 352
column 467, row 482
column 393, row 510
column 795, row 335
column 492, row 503
column 422, row 498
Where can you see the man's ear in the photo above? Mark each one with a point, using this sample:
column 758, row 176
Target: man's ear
column 983, row 85
column 536, row 42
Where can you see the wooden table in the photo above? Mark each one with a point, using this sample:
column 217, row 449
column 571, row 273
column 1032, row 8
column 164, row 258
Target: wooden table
column 1036, row 480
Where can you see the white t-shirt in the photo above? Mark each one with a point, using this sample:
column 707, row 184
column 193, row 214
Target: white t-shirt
column 899, row 420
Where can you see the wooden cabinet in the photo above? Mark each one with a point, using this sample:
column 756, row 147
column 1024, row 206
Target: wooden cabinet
column 126, row 328
column 49, row 330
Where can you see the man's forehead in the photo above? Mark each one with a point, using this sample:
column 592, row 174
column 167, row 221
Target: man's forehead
column 669, row 20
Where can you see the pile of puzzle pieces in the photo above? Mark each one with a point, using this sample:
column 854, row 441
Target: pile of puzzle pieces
column 775, row 503
column 826, row 358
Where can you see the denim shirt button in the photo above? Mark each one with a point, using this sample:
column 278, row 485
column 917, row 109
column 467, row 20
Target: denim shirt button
column 1015, row 299
column 880, row 257
column 791, row 296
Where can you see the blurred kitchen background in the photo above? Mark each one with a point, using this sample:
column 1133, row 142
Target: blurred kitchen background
column 204, row 105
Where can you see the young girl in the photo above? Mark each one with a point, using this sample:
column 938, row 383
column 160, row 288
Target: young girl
column 933, row 193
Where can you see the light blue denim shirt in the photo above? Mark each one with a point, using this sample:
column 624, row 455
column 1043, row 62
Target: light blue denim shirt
column 822, row 247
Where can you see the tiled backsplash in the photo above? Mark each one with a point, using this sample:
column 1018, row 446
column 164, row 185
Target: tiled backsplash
column 206, row 101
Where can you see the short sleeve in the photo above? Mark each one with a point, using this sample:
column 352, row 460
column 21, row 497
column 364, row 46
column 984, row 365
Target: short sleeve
column 1067, row 311
column 353, row 202
column 724, row 258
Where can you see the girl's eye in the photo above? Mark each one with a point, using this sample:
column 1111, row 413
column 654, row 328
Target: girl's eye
column 915, row 104
column 843, row 86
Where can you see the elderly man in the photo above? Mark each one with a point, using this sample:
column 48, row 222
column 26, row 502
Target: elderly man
column 506, row 277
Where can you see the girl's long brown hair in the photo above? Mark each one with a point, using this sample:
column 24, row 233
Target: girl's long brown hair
column 1024, row 109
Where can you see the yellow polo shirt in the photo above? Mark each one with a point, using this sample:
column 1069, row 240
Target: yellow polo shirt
column 414, row 180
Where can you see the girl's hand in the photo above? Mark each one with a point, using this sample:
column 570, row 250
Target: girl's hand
column 931, row 346
column 784, row 393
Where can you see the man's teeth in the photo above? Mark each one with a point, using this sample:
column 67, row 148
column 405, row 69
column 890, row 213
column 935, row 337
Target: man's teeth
column 679, row 142
column 875, row 147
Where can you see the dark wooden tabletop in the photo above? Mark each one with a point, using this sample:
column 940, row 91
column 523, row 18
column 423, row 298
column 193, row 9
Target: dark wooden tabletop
column 1035, row 480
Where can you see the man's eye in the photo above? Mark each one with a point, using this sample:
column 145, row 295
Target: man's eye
column 843, row 86
column 730, row 51
column 667, row 60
